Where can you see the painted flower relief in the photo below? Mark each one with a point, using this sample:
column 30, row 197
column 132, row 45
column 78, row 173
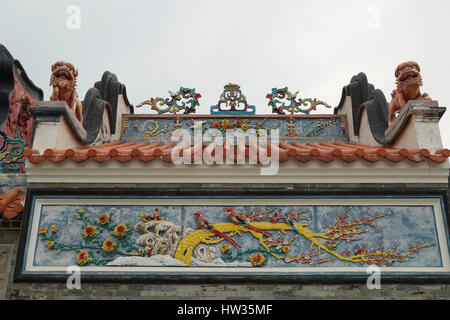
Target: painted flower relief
column 89, row 231
column 82, row 257
column 104, row 219
column 100, row 240
column 276, row 235
column 109, row 245
column 243, row 124
column 120, row 230
column 257, row 259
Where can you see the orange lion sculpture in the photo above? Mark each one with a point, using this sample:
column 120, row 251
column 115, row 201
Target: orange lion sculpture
column 408, row 83
column 64, row 80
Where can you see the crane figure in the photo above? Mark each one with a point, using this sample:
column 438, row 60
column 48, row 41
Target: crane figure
column 236, row 218
column 204, row 224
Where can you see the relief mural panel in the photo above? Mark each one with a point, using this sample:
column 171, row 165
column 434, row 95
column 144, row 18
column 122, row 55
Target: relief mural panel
column 329, row 128
column 253, row 236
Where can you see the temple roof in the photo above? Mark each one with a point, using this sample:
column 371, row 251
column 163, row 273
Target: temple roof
column 303, row 152
column 281, row 136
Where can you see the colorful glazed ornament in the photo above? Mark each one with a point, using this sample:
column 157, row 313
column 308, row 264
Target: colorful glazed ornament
column 173, row 103
column 232, row 101
column 11, row 154
column 277, row 96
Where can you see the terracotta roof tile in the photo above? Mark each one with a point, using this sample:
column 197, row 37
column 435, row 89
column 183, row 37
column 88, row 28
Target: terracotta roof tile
column 11, row 203
column 325, row 152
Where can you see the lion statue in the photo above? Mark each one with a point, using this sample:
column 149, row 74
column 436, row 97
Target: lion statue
column 64, row 80
column 409, row 81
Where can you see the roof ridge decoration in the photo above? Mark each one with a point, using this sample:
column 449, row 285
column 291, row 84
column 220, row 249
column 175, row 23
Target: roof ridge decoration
column 232, row 101
column 110, row 88
column 103, row 95
column 172, row 106
column 11, row 154
column 64, row 82
column 101, row 109
column 303, row 152
column 294, row 102
column 360, row 90
column 408, row 81
column 17, row 95
column 376, row 121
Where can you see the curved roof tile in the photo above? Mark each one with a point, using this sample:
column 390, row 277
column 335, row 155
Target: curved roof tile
column 11, row 203
column 325, row 152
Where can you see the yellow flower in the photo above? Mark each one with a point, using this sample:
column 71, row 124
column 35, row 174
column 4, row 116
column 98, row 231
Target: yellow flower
column 53, row 228
column 244, row 126
column 89, row 231
column 261, row 132
column 225, row 122
column 81, row 211
column 257, row 259
column 224, row 248
column 286, row 249
column 50, row 244
column 120, row 230
column 103, row 219
column 109, row 245
column 82, row 257
column 43, row 230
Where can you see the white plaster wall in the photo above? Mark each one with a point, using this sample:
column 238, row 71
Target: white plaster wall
column 365, row 134
column 54, row 135
column 292, row 171
column 420, row 135
column 122, row 109
column 346, row 109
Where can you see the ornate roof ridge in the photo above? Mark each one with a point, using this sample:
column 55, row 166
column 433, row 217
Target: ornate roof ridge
column 303, row 152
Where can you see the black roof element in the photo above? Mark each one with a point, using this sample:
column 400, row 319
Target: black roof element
column 8, row 67
column 103, row 95
column 364, row 96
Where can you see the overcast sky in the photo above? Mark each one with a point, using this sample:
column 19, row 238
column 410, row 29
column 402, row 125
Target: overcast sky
column 311, row 46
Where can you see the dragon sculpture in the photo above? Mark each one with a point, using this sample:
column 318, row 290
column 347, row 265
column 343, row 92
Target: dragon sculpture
column 191, row 97
column 295, row 104
column 64, row 80
column 409, row 81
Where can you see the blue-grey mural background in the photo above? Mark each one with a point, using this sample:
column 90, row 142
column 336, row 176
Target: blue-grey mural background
column 300, row 129
column 401, row 228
